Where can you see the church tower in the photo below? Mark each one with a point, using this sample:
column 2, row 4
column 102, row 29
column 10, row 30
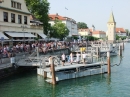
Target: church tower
column 111, row 25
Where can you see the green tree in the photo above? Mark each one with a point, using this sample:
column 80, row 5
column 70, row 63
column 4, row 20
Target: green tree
column 59, row 30
column 82, row 25
column 117, row 37
column 127, row 32
column 40, row 9
column 91, row 38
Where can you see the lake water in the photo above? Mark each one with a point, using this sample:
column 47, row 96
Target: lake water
column 29, row 84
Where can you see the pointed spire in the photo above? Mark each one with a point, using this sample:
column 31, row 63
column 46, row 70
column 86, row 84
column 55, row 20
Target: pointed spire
column 111, row 19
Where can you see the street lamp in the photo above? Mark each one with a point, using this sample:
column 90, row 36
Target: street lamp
column 23, row 29
column 48, row 34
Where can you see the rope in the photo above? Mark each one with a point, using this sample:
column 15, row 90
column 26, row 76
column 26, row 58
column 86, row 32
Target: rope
column 117, row 64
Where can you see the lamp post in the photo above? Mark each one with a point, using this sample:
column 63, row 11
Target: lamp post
column 23, row 29
column 48, row 34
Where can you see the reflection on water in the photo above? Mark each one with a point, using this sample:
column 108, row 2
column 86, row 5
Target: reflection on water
column 29, row 84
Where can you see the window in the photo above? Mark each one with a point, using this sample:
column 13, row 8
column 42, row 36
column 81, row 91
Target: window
column 12, row 18
column 18, row 6
column 15, row 5
column 19, row 19
column 25, row 19
column 12, row 3
column 5, row 17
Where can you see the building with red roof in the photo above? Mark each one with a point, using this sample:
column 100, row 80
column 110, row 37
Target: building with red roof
column 121, row 32
column 69, row 22
column 92, row 32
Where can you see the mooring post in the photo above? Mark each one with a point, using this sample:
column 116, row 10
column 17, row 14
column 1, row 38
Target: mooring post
column 92, row 55
column 53, row 71
column 98, row 51
column 120, row 50
column 123, row 45
column 45, row 74
column 108, row 63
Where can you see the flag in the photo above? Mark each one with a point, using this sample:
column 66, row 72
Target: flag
column 66, row 8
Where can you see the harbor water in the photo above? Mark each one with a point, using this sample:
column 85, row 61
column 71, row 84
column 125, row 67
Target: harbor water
column 29, row 84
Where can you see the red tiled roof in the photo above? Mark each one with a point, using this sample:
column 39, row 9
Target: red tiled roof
column 98, row 32
column 120, row 30
column 56, row 16
column 83, row 30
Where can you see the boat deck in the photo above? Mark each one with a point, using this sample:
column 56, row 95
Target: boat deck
column 75, row 65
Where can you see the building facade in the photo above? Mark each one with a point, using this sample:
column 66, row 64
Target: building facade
column 69, row 22
column 99, row 34
column 92, row 32
column 15, row 20
column 121, row 32
column 85, row 32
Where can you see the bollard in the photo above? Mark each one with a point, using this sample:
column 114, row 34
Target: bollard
column 53, row 71
column 98, row 51
column 123, row 46
column 108, row 63
column 45, row 74
column 120, row 50
column 91, row 55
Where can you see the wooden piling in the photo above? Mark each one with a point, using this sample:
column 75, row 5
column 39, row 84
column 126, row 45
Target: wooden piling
column 123, row 46
column 120, row 50
column 45, row 74
column 53, row 71
column 108, row 63
column 98, row 51
column 92, row 55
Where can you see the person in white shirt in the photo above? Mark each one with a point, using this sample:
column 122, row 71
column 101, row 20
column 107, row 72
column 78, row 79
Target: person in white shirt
column 77, row 57
column 71, row 58
column 84, row 56
column 63, row 59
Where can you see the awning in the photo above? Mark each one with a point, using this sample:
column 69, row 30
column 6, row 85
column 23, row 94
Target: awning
column 20, row 34
column 42, row 35
column 2, row 35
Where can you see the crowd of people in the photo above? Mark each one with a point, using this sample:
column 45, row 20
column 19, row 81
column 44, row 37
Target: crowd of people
column 44, row 47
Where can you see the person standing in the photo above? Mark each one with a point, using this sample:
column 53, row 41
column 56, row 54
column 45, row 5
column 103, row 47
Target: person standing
column 77, row 57
column 84, row 56
column 63, row 59
column 71, row 58
column 0, row 56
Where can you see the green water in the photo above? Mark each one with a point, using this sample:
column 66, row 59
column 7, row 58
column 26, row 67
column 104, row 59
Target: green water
column 31, row 85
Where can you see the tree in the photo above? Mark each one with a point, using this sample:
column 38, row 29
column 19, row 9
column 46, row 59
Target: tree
column 82, row 25
column 91, row 38
column 59, row 30
column 117, row 37
column 40, row 9
column 127, row 32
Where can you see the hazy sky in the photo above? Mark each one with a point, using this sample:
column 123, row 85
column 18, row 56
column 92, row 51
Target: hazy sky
column 96, row 12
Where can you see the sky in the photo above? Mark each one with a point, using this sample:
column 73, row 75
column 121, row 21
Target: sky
column 94, row 12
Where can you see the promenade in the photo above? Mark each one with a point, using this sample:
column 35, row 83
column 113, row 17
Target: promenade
column 6, row 63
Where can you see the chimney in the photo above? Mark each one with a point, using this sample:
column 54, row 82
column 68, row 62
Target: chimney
column 56, row 14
